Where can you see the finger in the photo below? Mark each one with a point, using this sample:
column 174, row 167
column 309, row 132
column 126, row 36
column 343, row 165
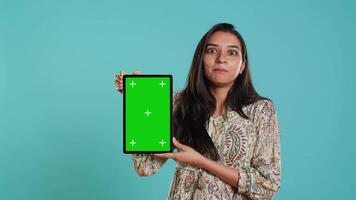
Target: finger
column 164, row 155
column 117, row 75
column 118, row 81
column 118, row 86
column 179, row 145
column 120, row 74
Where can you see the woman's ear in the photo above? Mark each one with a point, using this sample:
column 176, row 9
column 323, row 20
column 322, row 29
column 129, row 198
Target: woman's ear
column 242, row 67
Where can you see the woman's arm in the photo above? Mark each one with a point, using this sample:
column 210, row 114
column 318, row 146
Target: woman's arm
column 225, row 173
column 261, row 179
column 188, row 155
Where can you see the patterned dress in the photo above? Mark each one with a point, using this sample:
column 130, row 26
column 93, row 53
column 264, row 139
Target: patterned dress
column 252, row 146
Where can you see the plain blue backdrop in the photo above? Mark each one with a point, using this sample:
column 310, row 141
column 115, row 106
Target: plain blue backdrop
column 61, row 118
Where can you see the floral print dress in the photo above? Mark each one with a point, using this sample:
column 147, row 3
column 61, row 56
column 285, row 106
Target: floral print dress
column 251, row 146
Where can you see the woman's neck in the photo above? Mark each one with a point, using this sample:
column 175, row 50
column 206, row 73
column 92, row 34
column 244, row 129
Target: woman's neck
column 220, row 95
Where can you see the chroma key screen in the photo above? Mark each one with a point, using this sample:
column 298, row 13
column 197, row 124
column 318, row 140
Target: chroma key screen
column 147, row 113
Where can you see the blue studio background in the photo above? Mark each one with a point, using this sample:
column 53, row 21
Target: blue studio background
column 61, row 118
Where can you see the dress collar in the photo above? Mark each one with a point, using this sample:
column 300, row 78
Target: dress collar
column 224, row 117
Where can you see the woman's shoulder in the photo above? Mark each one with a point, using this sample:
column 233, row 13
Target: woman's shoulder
column 265, row 103
column 177, row 93
column 175, row 97
column 264, row 106
column 260, row 103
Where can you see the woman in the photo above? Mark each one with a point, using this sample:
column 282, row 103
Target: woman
column 227, row 135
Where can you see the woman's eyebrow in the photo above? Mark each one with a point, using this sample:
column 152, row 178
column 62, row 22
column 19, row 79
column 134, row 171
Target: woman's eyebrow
column 212, row 45
column 232, row 46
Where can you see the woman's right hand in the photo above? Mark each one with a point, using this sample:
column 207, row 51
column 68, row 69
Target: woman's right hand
column 119, row 79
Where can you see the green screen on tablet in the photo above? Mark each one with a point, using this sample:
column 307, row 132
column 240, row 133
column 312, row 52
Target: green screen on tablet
column 147, row 113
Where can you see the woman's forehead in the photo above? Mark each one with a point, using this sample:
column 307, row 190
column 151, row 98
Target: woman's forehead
column 224, row 39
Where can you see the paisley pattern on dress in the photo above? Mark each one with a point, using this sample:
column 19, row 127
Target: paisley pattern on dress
column 251, row 146
column 235, row 144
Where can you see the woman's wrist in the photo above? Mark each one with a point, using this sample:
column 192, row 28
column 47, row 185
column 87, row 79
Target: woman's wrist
column 204, row 163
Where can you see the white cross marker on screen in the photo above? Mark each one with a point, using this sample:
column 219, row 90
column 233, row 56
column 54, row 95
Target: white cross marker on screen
column 148, row 113
column 162, row 142
column 132, row 83
column 162, row 84
column 132, row 142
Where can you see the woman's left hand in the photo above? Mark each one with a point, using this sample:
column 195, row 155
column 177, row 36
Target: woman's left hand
column 187, row 155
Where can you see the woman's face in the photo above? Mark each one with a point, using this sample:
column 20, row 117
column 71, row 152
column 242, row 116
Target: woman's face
column 223, row 59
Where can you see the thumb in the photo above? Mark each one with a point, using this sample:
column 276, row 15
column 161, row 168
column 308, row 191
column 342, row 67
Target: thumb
column 179, row 145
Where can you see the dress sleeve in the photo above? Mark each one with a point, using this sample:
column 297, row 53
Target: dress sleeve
column 147, row 164
column 261, row 180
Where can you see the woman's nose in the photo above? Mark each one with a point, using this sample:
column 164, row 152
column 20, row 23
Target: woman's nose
column 221, row 58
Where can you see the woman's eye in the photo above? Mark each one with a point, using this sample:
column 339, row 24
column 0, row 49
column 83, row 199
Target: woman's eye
column 233, row 53
column 210, row 50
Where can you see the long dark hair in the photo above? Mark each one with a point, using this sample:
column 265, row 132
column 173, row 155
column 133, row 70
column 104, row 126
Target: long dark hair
column 196, row 104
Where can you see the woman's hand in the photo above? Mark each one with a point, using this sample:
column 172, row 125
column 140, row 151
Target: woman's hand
column 187, row 155
column 119, row 79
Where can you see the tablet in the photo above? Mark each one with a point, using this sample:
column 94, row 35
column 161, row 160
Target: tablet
column 147, row 113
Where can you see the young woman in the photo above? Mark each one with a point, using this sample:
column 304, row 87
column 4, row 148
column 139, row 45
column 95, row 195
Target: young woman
column 227, row 135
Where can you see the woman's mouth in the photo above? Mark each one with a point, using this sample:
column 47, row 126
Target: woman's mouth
column 221, row 70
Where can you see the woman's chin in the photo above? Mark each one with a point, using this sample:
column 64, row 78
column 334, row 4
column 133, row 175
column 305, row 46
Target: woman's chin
column 220, row 84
